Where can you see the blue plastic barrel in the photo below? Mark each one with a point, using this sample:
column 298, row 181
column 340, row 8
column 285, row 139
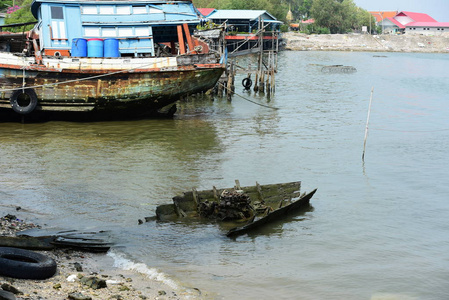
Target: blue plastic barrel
column 94, row 48
column 111, row 48
column 79, row 48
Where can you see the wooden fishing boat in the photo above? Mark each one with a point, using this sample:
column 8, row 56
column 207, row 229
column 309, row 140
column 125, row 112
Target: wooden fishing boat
column 105, row 60
column 239, row 209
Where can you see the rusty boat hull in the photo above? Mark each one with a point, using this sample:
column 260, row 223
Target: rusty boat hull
column 105, row 88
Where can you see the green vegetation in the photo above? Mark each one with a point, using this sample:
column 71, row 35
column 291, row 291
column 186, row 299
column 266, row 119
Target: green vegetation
column 18, row 12
column 340, row 16
column 5, row 4
column 334, row 16
column 331, row 16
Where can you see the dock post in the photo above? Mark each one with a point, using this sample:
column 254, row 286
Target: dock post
column 256, row 83
column 367, row 122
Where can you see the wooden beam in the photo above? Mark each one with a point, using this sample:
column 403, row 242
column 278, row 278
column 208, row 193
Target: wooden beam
column 196, row 199
column 237, row 185
column 173, row 47
column 215, row 193
column 182, row 45
column 259, row 193
column 189, row 38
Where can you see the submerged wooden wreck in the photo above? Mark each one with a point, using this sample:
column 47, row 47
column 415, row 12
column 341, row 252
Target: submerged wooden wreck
column 242, row 209
column 105, row 59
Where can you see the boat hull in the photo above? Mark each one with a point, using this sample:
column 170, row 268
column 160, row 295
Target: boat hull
column 106, row 91
column 282, row 200
column 276, row 215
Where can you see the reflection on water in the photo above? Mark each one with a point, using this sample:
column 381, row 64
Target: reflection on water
column 377, row 229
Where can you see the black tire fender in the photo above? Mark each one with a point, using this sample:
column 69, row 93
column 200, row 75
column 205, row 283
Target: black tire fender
column 31, row 96
column 247, row 83
column 25, row 264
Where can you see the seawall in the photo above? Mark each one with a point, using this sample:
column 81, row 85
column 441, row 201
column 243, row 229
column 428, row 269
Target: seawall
column 365, row 42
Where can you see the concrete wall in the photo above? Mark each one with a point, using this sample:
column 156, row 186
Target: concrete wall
column 426, row 30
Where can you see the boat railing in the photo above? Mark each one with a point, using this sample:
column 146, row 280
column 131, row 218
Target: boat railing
column 17, row 25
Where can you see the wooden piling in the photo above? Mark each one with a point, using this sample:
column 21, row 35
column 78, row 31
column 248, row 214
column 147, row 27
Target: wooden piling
column 261, row 82
column 267, row 84
column 237, row 185
column 367, row 122
column 256, row 83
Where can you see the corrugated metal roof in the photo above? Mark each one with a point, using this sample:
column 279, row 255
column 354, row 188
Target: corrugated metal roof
column 428, row 24
column 227, row 14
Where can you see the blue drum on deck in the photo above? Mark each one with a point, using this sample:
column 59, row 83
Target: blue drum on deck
column 94, row 48
column 111, row 48
column 79, row 48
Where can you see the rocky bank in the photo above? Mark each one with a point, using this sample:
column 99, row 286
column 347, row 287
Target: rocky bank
column 84, row 276
column 364, row 42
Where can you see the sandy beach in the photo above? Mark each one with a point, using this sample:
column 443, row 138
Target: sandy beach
column 364, row 42
column 75, row 268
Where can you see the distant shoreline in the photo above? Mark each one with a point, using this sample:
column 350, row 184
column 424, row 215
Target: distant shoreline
column 367, row 43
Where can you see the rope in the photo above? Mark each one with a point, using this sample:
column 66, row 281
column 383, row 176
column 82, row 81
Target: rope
column 244, row 98
column 23, row 76
column 396, row 130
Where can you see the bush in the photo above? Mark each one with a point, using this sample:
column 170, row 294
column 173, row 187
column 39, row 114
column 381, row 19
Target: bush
column 323, row 30
column 284, row 28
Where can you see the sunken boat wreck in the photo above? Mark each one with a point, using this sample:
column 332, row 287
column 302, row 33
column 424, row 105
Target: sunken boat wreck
column 239, row 209
column 104, row 60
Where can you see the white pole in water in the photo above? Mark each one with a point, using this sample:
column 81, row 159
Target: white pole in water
column 367, row 122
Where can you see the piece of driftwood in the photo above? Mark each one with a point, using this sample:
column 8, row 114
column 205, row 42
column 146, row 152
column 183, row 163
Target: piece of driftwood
column 48, row 240
column 27, row 242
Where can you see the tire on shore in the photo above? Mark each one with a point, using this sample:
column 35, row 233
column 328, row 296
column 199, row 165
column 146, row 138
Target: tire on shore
column 25, row 264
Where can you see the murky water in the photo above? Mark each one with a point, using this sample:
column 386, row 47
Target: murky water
column 377, row 230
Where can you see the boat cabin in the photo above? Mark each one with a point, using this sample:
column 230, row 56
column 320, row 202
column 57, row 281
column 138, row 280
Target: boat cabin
column 113, row 28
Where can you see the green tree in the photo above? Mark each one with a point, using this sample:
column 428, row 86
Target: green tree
column 365, row 19
column 340, row 16
column 277, row 8
column 304, row 9
column 4, row 4
column 327, row 13
column 23, row 15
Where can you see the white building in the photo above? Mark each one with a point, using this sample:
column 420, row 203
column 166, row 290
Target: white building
column 427, row 28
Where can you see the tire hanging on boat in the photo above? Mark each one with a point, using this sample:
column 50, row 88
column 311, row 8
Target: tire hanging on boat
column 25, row 264
column 23, row 101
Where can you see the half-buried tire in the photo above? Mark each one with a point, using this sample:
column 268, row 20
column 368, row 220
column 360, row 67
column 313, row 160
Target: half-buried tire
column 25, row 264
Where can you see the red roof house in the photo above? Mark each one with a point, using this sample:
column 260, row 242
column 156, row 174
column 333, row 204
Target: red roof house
column 411, row 22
column 405, row 17
column 396, row 22
column 382, row 15
column 206, row 11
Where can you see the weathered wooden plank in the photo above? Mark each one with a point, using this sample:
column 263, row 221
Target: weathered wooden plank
column 27, row 242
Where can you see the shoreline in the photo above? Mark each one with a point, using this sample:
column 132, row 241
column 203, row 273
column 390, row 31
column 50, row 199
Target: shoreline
column 123, row 279
column 296, row 41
